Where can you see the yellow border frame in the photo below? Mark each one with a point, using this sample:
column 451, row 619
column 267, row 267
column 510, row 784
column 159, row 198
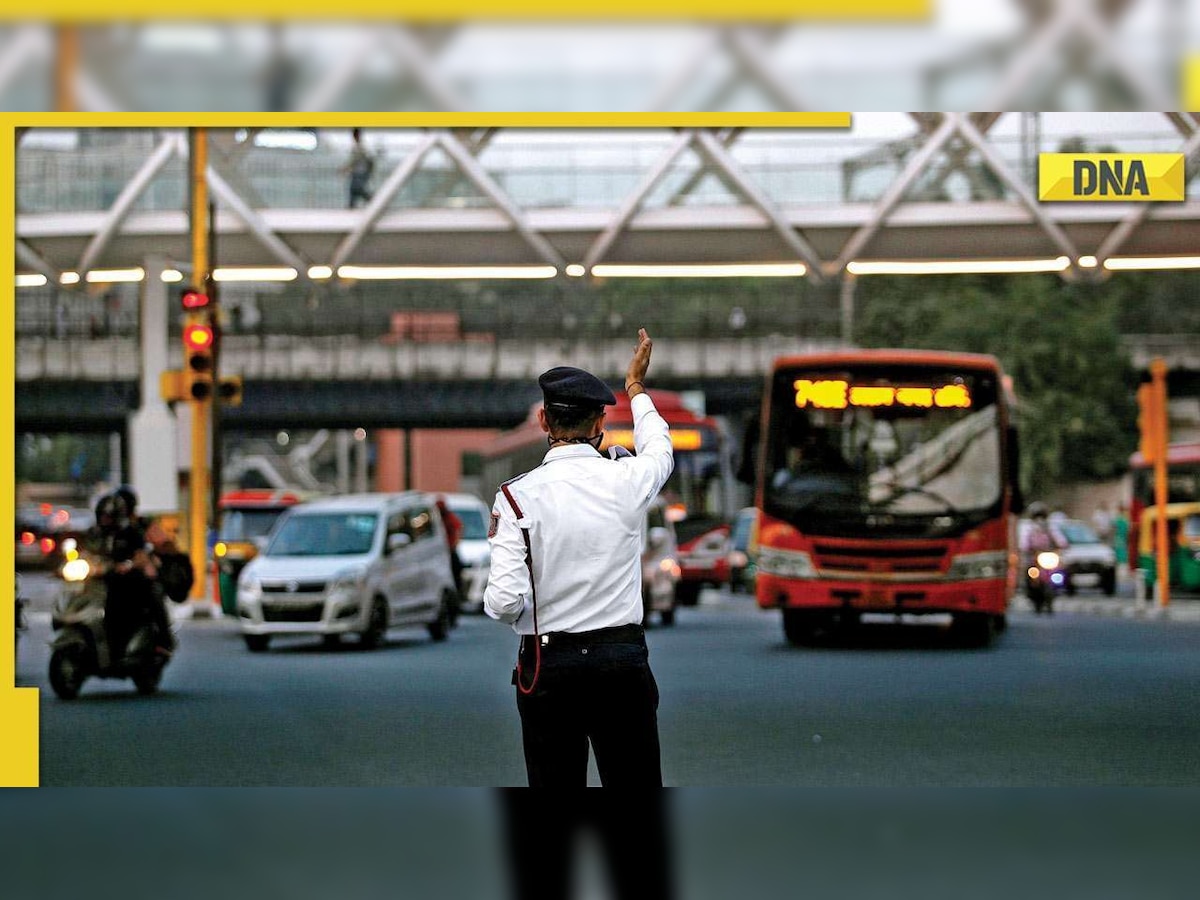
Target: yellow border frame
column 19, row 722
column 84, row 13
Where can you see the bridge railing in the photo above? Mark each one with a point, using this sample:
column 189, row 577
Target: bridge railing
column 538, row 173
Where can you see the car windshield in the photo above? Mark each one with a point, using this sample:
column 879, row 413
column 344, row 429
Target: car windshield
column 324, row 534
column 474, row 528
column 247, row 524
column 1078, row 533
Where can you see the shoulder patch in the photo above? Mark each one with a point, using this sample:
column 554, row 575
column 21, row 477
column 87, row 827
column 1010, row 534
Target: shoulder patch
column 493, row 524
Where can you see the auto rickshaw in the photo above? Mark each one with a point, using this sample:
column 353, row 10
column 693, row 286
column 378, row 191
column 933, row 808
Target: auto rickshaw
column 246, row 518
column 1183, row 541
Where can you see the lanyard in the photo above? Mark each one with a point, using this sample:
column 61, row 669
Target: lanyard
column 537, row 644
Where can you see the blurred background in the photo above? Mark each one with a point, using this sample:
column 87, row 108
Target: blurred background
column 966, row 54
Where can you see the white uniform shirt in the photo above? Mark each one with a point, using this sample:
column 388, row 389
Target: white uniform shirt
column 586, row 514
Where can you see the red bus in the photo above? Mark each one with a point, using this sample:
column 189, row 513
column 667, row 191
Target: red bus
column 886, row 483
column 1183, row 484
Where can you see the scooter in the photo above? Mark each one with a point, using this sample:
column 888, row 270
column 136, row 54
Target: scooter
column 1044, row 578
column 81, row 649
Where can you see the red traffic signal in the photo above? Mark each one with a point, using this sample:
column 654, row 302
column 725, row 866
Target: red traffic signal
column 197, row 337
column 193, row 299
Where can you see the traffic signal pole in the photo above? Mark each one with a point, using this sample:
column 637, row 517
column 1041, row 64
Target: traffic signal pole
column 1162, row 557
column 198, row 481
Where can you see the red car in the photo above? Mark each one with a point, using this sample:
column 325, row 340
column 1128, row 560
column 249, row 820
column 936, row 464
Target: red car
column 703, row 557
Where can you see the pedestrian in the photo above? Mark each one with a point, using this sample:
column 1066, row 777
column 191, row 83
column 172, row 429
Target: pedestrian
column 1102, row 523
column 1121, row 538
column 566, row 542
column 453, row 527
column 360, row 166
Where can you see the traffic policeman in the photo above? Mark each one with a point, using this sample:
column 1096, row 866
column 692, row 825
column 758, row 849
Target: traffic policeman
column 566, row 544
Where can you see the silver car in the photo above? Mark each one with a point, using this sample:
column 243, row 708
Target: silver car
column 358, row 564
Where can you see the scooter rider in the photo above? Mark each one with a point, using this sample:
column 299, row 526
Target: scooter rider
column 1041, row 535
column 132, row 594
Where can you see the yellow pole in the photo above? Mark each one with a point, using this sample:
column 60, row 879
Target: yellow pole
column 66, row 63
column 1162, row 558
column 198, row 483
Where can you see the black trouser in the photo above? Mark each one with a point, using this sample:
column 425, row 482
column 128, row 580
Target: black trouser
column 594, row 686
column 633, row 831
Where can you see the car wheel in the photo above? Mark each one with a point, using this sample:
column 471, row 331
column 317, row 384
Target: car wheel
column 687, row 593
column 1069, row 585
column 440, row 627
column 1108, row 582
column 331, row 641
column 257, row 643
column 668, row 617
column 377, row 625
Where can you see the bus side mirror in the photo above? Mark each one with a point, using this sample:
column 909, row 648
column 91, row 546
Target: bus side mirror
column 748, row 465
column 1014, row 470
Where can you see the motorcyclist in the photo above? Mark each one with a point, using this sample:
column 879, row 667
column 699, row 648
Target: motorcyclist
column 1041, row 534
column 130, row 570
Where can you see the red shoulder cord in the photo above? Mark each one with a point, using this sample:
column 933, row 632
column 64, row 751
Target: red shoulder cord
column 537, row 644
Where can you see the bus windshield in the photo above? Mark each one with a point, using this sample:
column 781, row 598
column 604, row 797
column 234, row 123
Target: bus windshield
column 908, row 451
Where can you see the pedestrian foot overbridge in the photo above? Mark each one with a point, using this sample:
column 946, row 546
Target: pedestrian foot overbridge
column 956, row 189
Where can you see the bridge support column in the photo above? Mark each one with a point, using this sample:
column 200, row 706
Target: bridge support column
column 152, row 432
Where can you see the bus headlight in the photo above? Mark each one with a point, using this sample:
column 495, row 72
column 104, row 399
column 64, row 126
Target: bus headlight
column 1048, row 559
column 968, row 566
column 786, row 563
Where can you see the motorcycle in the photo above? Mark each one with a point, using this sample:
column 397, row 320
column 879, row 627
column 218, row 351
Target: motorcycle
column 1044, row 578
column 82, row 647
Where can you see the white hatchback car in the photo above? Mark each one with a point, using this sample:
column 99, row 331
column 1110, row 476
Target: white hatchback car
column 358, row 564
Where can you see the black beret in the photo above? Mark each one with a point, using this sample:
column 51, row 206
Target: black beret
column 568, row 386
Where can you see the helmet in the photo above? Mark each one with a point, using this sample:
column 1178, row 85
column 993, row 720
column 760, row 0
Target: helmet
column 1038, row 510
column 109, row 510
column 127, row 496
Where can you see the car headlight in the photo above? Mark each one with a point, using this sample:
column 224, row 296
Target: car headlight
column 349, row 580
column 786, row 563
column 249, row 585
column 968, row 566
column 738, row 559
column 1048, row 559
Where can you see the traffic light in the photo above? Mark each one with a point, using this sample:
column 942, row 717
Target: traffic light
column 1149, row 422
column 229, row 390
column 199, row 338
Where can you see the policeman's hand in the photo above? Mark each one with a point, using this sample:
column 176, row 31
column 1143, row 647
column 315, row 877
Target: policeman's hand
column 636, row 372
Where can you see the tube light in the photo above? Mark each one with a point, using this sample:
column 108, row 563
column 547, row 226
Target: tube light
column 251, row 273
column 1133, row 263
column 704, row 270
column 1088, row 262
column 68, row 278
column 114, row 276
column 575, row 270
column 319, row 272
column 31, row 279
column 958, row 266
column 368, row 273
column 171, row 276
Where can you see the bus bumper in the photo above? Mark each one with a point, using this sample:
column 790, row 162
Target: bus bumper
column 914, row 598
